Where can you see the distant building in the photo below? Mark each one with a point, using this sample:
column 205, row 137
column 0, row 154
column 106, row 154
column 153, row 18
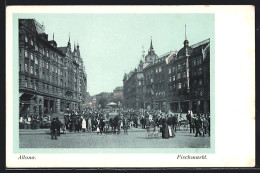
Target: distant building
column 51, row 79
column 133, row 89
column 118, row 93
column 176, row 81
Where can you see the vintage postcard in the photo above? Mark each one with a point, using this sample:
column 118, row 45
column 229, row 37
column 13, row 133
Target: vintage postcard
column 160, row 86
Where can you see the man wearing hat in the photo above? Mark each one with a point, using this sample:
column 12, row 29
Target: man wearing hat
column 198, row 125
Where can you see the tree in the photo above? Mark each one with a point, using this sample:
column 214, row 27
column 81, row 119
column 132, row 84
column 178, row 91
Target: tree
column 103, row 102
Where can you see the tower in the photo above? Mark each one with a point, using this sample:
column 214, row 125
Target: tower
column 186, row 46
column 69, row 45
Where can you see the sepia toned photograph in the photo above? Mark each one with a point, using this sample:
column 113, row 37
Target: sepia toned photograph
column 157, row 86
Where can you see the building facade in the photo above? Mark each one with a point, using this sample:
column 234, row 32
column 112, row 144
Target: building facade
column 176, row 81
column 133, row 89
column 51, row 79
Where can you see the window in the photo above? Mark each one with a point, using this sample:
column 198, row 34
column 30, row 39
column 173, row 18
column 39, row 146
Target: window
column 184, row 85
column 56, row 70
column 179, row 85
column 47, row 53
column 198, row 61
column 43, row 51
column 31, row 69
column 201, row 93
column 31, row 84
column 194, row 63
column 151, row 79
column 179, row 76
column 31, row 55
column 179, row 67
column 61, row 82
column 61, row 72
column 170, row 71
column 173, row 69
column 36, row 72
column 26, row 82
column 31, row 41
column 184, row 74
column 47, row 65
column 173, row 86
column 160, row 69
column 26, row 67
column 36, row 60
column 36, row 86
column 170, row 79
column 36, row 48
column 200, row 82
column 199, row 71
column 173, row 78
column 26, row 53
column 140, row 82
column 156, row 70
column 47, row 89
column 26, row 38
column 42, row 63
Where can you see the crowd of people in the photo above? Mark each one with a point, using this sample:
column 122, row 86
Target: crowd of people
column 114, row 120
column 100, row 121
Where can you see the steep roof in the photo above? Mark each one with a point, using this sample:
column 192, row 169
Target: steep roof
column 63, row 49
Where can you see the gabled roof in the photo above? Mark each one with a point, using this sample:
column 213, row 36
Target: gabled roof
column 63, row 49
column 200, row 43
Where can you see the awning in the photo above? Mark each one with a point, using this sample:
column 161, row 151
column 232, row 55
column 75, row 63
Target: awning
column 25, row 96
column 111, row 104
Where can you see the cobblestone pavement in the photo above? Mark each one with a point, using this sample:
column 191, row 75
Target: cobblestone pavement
column 136, row 138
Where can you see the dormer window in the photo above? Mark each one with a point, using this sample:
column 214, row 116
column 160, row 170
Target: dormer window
column 26, row 53
column 26, row 38
column 31, row 56
column 36, row 47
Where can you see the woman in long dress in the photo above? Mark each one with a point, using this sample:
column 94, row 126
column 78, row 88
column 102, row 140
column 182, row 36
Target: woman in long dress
column 165, row 129
column 84, row 124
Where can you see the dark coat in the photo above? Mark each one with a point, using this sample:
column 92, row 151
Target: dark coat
column 54, row 125
column 197, row 123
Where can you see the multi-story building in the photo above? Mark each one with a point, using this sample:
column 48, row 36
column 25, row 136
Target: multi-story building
column 133, row 89
column 51, row 79
column 176, row 81
column 156, row 81
column 189, row 79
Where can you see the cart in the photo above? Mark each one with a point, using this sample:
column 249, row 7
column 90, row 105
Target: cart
column 152, row 132
column 182, row 124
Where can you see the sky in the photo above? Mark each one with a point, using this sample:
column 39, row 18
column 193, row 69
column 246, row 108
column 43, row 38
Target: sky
column 111, row 44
